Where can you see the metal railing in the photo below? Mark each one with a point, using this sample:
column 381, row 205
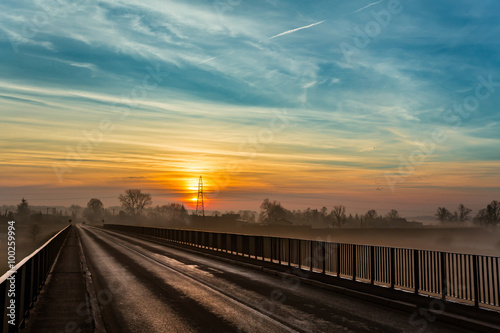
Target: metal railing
column 466, row 278
column 28, row 277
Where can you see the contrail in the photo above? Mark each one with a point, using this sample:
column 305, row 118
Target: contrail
column 207, row 60
column 297, row 29
column 372, row 4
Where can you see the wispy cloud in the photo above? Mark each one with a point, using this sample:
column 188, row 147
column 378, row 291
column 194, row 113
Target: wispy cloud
column 224, row 84
column 367, row 6
column 297, row 29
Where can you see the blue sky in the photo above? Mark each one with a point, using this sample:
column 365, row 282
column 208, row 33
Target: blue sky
column 218, row 72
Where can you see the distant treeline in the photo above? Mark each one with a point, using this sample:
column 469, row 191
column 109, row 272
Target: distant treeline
column 272, row 212
column 136, row 208
column 489, row 216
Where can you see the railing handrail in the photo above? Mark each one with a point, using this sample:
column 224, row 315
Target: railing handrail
column 310, row 240
column 11, row 271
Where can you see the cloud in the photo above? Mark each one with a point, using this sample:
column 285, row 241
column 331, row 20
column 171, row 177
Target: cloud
column 309, row 85
column 226, row 77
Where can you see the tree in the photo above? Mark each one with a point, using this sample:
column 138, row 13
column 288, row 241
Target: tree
column 23, row 209
column 392, row 215
column 324, row 211
column 463, row 213
column 271, row 211
column 338, row 214
column 75, row 210
column 94, row 211
column 443, row 215
column 371, row 214
column 134, row 201
column 489, row 215
column 35, row 230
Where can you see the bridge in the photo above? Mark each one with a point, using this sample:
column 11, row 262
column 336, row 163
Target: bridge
column 141, row 279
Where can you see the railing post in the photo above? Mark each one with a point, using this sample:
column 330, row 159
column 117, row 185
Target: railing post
column 443, row 275
column 272, row 252
column 312, row 257
column 353, row 262
column 372, row 264
column 323, row 248
column 338, row 259
column 263, row 247
column 300, row 254
column 393, row 268
column 416, row 271
column 279, row 250
column 475, row 277
column 289, row 252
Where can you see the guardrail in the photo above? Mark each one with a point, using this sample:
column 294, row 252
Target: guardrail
column 28, row 277
column 465, row 278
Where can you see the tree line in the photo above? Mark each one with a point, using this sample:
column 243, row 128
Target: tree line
column 489, row 216
column 272, row 212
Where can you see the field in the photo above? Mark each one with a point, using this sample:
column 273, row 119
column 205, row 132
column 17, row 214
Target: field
column 24, row 242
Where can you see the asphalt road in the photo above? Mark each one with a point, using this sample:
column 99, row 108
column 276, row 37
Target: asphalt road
column 144, row 286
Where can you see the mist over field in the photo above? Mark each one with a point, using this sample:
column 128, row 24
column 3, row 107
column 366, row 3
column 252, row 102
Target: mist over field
column 445, row 231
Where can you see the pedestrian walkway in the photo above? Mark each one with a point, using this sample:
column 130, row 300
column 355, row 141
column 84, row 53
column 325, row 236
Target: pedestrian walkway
column 63, row 304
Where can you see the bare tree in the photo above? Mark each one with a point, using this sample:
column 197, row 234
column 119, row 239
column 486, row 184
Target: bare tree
column 75, row 210
column 463, row 213
column 35, row 230
column 489, row 215
column 338, row 214
column 392, row 215
column 443, row 215
column 134, row 201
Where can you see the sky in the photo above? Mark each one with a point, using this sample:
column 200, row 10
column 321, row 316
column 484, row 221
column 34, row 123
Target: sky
column 369, row 104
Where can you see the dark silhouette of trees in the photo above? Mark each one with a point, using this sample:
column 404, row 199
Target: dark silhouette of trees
column 392, row 215
column 338, row 215
column 459, row 216
column 490, row 215
column 443, row 215
column 247, row 215
column 171, row 212
column 94, row 211
column 23, row 209
column 463, row 213
column 371, row 214
column 369, row 218
column 271, row 211
column 134, row 201
column 35, row 231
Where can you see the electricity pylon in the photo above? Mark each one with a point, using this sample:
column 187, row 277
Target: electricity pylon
column 200, row 207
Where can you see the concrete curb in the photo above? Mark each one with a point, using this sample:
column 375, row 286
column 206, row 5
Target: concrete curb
column 92, row 302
